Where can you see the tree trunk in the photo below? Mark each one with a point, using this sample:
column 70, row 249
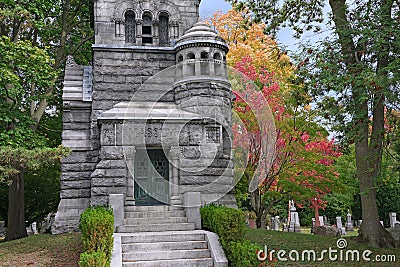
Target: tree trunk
column 372, row 232
column 16, row 209
column 368, row 147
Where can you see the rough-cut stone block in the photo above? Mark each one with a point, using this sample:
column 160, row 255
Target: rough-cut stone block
column 109, row 173
column 204, row 180
column 111, row 152
column 207, row 189
column 79, row 184
column 108, row 182
column 111, row 164
column 76, row 116
column 99, row 200
column 79, row 157
column 75, row 193
column 207, row 172
column 74, row 176
column 75, row 167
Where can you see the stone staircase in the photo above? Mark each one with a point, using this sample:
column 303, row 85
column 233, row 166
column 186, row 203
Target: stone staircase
column 160, row 236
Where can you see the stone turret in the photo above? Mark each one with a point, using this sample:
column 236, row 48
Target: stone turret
column 201, row 84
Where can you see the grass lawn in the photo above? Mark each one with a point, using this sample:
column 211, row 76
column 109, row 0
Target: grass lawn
column 42, row 250
column 304, row 241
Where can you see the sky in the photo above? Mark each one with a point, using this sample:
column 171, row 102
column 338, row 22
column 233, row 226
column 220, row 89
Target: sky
column 284, row 37
column 208, row 7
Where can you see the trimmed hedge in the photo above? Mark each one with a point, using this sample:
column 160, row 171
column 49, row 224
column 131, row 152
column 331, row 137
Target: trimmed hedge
column 91, row 259
column 242, row 254
column 230, row 226
column 227, row 223
column 97, row 226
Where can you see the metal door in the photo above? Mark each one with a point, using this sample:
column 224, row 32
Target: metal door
column 151, row 177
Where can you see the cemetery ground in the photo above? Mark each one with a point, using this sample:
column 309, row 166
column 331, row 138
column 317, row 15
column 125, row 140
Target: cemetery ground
column 63, row 250
column 42, row 250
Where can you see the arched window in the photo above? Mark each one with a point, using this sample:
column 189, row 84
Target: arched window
column 180, row 66
column 147, row 32
column 217, row 64
column 191, row 65
column 204, row 64
column 130, row 25
column 163, row 29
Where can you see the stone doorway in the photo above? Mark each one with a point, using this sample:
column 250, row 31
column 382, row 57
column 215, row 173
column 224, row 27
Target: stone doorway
column 151, row 175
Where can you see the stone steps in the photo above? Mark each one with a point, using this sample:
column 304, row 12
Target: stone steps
column 156, row 227
column 160, row 236
column 154, row 220
column 131, row 208
column 166, row 255
column 147, row 247
column 152, row 214
column 172, row 263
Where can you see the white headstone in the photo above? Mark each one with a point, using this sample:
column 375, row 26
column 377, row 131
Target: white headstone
column 349, row 223
column 393, row 219
column 339, row 225
column 34, row 228
column 321, row 220
column 276, row 223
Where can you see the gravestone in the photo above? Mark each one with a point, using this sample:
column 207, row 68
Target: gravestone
column 294, row 225
column 276, row 223
column 326, row 220
column 321, row 220
column 326, row 231
column 393, row 220
column 2, row 229
column 342, row 230
column 349, row 223
column 34, row 228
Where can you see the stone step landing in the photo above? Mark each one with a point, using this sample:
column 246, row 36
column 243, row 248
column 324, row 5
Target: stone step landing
column 172, row 248
column 159, row 236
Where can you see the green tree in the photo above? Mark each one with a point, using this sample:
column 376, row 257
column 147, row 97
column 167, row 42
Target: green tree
column 61, row 28
column 14, row 162
column 35, row 39
column 353, row 75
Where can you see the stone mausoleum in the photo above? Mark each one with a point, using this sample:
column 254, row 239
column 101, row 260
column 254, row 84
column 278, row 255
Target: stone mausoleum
column 150, row 120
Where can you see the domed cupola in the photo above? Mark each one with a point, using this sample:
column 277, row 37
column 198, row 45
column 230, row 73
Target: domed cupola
column 201, row 83
column 201, row 54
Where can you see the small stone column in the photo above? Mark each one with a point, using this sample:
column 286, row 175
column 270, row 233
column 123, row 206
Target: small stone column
column 197, row 68
column 175, row 193
column 139, row 31
column 130, row 153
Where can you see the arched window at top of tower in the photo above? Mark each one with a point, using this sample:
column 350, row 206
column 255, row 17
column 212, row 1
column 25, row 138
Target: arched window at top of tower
column 180, row 58
column 191, row 56
column 204, row 55
column 217, row 56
